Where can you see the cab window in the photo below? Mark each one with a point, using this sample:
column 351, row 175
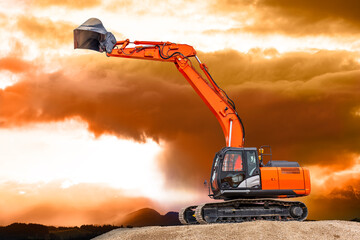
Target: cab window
column 214, row 180
column 251, row 162
column 232, row 162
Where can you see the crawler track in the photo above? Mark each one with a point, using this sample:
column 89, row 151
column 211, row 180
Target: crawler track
column 244, row 210
column 187, row 215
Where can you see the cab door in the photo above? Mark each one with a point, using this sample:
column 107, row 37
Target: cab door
column 253, row 171
column 233, row 170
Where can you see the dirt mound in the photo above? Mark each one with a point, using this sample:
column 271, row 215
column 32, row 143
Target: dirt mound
column 249, row 230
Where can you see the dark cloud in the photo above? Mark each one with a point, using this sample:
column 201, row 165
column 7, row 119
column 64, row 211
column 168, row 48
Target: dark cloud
column 119, row 100
column 297, row 106
column 310, row 122
column 348, row 192
column 341, row 202
column 297, row 17
column 311, row 11
column 328, row 208
column 303, row 104
column 269, row 66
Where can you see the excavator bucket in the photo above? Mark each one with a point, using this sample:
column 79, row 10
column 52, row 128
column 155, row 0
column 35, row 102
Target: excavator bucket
column 93, row 35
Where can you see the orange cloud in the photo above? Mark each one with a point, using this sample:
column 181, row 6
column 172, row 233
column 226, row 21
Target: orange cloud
column 45, row 30
column 15, row 65
column 325, row 207
column 79, row 204
column 297, row 17
column 315, row 11
column 338, row 196
column 304, row 107
column 81, row 4
column 302, row 104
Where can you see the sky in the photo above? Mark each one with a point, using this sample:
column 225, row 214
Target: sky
column 86, row 139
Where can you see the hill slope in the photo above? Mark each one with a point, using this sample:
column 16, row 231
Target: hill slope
column 149, row 217
column 249, row 230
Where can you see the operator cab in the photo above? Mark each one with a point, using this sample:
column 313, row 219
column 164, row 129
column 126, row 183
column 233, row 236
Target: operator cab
column 235, row 170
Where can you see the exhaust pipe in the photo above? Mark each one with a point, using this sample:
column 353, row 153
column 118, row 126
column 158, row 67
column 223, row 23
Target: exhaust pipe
column 93, row 35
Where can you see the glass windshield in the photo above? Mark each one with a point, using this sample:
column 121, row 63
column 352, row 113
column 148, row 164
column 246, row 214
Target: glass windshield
column 232, row 162
column 214, row 184
column 251, row 161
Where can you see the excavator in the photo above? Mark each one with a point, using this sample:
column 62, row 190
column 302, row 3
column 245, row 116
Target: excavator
column 249, row 189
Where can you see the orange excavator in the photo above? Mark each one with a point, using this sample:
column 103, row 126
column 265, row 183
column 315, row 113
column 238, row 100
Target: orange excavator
column 249, row 188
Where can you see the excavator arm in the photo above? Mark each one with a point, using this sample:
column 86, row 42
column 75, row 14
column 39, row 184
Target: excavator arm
column 215, row 98
column 92, row 35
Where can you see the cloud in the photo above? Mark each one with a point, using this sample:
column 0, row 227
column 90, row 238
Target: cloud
column 48, row 32
column 324, row 208
column 347, row 192
column 74, row 206
column 15, row 65
column 296, row 18
column 308, row 121
column 312, row 12
column 340, row 200
column 81, row 4
column 118, row 100
column 302, row 104
column 269, row 66
column 335, row 190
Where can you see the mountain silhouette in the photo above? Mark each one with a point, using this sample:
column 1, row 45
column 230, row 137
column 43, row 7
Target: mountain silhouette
column 150, row 217
column 23, row 231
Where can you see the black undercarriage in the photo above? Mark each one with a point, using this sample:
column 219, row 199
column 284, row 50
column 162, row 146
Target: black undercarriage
column 244, row 210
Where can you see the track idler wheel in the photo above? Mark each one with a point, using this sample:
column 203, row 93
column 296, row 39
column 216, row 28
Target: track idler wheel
column 187, row 215
column 296, row 211
column 299, row 212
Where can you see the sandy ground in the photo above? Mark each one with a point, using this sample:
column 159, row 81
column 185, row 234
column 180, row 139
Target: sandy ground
column 249, row 230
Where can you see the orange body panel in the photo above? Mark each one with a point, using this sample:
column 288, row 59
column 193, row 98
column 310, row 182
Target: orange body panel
column 307, row 181
column 291, row 178
column 286, row 178
column 269, row 178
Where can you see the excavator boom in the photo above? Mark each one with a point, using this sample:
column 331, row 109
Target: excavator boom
column 92, row 35
column 216, row 99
